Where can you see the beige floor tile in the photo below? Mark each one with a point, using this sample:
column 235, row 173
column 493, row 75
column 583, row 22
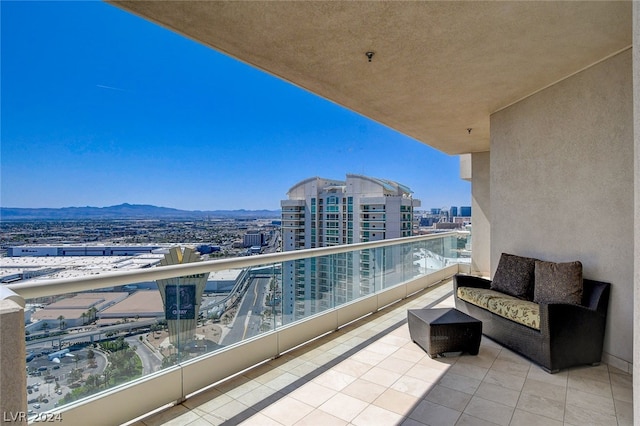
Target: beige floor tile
column 395, row 340
column 426, row 373
column 453, row 399
column 498, row 394
column 467, row 420
column 536, row 404
column 241, row 389
column 213, row 419
column 397, row 365
column 320, row 418
column 325, row 358
column 524, row 418
column 544, row 389
column 208, row 406
column 352, row 367
column 234, row 409
column 368, row 357
column 334, row 380
column 580, row 416
column 260, row 419
column 411, row 352
column 313, row 394
column 585, row 384
column 624, row 412
column 622, row 393
column 382, row 348
column 469, row 370
column 343, row 406
column 537, row 373
column 305, row 369
column 511, row 367
column 428, row 413
column 283, row 381
column 381, row 376
column 600, row 372
column 364, row 390
column 260, row 397
column 376, row 416
column 460, row 383
column 591, row 402
column 206, row 397
column 287, row 411
column 413, row 386
column 506, row 380
column 397, row 402
column 411, row 422
column 489, row 410
column 622, row 380
column 178, row 415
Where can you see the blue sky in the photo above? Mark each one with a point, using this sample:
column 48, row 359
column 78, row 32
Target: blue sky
column 100, row 107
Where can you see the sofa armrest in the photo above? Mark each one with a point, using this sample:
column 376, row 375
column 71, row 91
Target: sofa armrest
column 461, row 280
column 573, row 330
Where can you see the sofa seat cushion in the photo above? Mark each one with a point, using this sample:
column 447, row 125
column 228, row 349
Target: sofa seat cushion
column 480, row 296
column 520, row 311
column 510, row 307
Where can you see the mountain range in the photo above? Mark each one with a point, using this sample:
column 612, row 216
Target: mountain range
column 127, row 211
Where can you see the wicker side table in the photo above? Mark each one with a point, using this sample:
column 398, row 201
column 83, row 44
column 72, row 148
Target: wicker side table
column 444, row 330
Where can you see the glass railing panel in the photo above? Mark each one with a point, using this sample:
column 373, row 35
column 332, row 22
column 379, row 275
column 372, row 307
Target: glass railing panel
column 80, row 344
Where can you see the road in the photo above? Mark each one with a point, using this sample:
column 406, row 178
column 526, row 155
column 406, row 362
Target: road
column 150, row 360
column 249, row 316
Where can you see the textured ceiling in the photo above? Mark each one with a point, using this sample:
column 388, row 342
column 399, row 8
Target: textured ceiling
column 439, row 68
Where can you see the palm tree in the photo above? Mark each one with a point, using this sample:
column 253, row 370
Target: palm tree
column 92, row 314
column 61, row 319
column 84, row 318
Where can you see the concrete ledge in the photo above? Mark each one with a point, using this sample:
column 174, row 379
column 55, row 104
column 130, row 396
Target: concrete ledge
column 13, row 395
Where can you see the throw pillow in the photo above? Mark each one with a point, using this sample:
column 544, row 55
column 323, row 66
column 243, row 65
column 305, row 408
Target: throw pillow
column 558, row 282
column 515, row 276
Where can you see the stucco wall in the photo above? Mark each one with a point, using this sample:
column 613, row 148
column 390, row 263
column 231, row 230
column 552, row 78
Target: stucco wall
column 562, row 183
column 636, row 116
column 481, row 213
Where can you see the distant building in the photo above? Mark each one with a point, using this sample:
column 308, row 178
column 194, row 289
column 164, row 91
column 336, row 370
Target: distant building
column 453, row 211
column 253, row 239
column 324, row 212
column 465, row 211
column 79, row 250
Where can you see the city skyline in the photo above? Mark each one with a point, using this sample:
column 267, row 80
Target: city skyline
column 100, row 108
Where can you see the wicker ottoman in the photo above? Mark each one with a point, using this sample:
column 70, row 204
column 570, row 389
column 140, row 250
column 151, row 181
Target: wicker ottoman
column 444, row 330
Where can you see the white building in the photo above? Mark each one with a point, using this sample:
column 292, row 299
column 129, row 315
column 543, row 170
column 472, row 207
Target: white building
column 324, row 212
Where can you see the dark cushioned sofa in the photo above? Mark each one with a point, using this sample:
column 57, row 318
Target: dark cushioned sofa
column 544, row 311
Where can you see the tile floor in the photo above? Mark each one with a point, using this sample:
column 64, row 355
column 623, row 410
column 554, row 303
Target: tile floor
column 371, row 373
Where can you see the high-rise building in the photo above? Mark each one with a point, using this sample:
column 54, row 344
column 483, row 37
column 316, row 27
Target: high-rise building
column 324, row 212
column 465, row 211
column 251, row 239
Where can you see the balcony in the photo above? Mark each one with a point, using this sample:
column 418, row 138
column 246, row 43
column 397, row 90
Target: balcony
column 277, row 327
column 366, row 371
column 371, row 373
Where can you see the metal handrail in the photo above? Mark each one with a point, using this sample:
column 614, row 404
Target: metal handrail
column 54, row 287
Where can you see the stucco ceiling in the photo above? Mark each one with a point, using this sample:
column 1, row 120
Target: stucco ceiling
column 438, row 69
